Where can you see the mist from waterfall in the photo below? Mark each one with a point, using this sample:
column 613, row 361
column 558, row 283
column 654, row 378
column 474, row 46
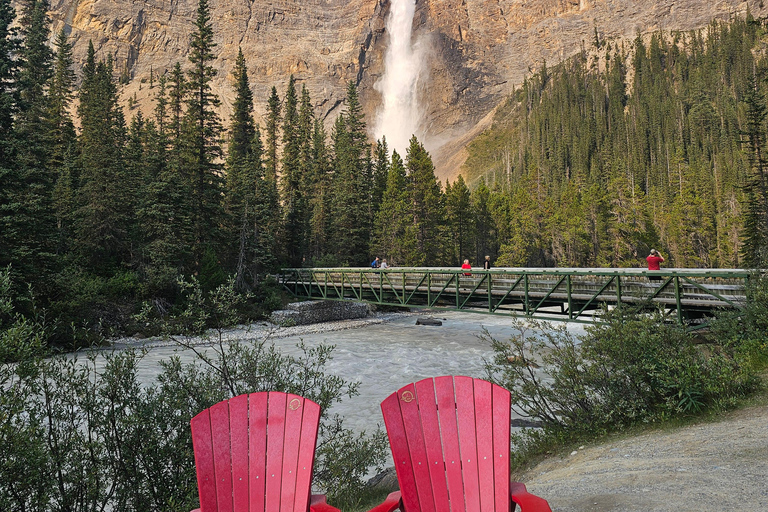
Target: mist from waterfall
column 399, row 115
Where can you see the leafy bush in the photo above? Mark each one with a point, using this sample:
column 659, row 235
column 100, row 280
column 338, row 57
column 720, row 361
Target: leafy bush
column 635, row 368
column 745, row 332
column 86, row 435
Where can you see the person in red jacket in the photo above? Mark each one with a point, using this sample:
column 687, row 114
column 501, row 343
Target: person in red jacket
column 466, row 266
column 654, row 260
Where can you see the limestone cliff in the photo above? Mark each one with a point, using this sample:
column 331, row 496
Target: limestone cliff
column 478, row 49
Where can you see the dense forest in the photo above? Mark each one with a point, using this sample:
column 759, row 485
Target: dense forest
column 589, row 163
column 659, row 143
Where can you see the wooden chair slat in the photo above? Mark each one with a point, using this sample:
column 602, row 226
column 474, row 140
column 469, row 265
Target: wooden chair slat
column 257, row 454
column 501, row 421
column 398, row 441
column 206, row 475
column 430, row 426
column 484, row 428
column 238, row 427
column 222, row 456
column 409, row 408
column 293, row 413
column 275, row 442
column 309, row 425
column 446, row 405
column 465, row 414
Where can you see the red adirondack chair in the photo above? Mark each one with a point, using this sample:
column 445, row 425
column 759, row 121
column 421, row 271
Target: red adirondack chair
column 450, row 441
column 254, row 453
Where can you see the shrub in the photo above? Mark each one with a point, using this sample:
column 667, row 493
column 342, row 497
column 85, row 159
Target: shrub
column 635, row 368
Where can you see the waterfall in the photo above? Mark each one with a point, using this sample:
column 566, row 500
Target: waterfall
column 399, row 115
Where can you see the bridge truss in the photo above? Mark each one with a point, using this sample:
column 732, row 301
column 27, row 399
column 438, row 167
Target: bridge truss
column 689, row 296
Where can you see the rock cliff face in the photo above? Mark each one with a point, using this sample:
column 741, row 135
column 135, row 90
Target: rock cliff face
column 478, row 49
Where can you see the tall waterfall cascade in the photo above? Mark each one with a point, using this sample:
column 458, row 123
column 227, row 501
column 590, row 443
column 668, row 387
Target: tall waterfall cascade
column 399, row 115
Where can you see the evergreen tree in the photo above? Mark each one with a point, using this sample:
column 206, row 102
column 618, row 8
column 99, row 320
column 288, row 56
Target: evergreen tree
column 755, row 233
column 292, row 193
column 273, row 122
column 427, row 206
column 31, row 217
column 394, row 235
column 320, row 196
column 351, row 184
column 460, row 218
column 104, row 214
column 202, row 139
column 8, row 109
column 63, row 156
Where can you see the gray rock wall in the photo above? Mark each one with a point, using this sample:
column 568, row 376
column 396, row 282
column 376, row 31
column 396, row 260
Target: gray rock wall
column 312, row 312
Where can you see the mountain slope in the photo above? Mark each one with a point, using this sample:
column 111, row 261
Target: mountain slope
column 478, row 49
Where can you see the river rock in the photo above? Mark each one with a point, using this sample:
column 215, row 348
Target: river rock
column 428, row 320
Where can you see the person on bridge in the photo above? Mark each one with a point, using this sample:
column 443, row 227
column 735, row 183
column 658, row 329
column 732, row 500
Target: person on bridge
column 466, row 266
column 654, row 260
column 384, row 263
column 375, row 262
column 487, row 263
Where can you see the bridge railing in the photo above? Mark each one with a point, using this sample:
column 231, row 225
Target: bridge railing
column 574, row 294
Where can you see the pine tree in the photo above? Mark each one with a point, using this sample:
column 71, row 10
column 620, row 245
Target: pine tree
column 394, row 235
column 202, row 133
column 427, row 205
column 291, row 182
column 320, row 195
column 63, row 157
column 31, row 217
column 273, row 122
column 351, row 184
column 8, row 109
column 104, row 216
column 460, row 218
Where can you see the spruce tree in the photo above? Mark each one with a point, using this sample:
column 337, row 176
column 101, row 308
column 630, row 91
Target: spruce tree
column 394, row 235
column 427, row 205
column 291, row 189
column 201, row 137
column 104, row 214
column 31, row 217
column 8, row 108
column 460, row 218
column 63, row 157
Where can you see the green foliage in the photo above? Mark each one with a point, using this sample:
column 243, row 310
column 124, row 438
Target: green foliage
column 745, row 332
column 87, row 434
column 633, row 369
column 660, row 143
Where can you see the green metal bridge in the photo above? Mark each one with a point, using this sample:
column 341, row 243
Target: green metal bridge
column 688, row 296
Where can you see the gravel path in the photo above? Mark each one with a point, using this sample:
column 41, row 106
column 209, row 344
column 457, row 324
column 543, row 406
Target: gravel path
column 710, row 466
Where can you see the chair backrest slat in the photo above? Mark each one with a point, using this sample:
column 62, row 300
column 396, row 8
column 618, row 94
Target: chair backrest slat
column 222, row 456
column 502, row 408
column 458, row 427
column 275, row 442
column 465, row 415
column 446, row 404
column 430, row 426
column 255, row 453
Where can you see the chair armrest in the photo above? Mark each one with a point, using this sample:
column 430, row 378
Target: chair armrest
column 317, row 504
column 527, row 501
column 391, row 503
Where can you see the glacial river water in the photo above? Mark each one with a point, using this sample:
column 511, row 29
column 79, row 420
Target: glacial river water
column 385, row 356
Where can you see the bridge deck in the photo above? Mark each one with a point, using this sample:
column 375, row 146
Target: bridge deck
column 575, row 294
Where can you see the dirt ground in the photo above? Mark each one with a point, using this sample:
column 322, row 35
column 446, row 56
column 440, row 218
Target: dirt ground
column 720, row 466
